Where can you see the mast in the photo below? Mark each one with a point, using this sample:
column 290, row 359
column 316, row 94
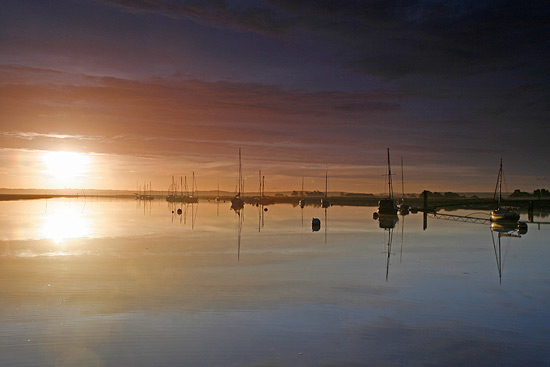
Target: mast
column 498, row 187
column 260, row 179
column 402, row 181
column 240, row 175
column 302, row 188
column 390, row 186
column 193, row 185
column 326, row 181
column 500, row 183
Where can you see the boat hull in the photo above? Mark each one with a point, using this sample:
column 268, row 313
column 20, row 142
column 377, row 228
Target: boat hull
column 387, row 207
column 237, row 203
column 504, row 215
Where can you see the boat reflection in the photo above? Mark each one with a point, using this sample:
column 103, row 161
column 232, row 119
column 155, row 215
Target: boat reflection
column 388, row 247
column 261, row 216
column 179, row 210
column 316, row 224
column 510, row 230
column 387, row 222
column 240, row 219
column 326, row 224
column 402, row 235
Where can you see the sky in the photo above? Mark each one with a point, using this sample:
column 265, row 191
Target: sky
column 140, row 90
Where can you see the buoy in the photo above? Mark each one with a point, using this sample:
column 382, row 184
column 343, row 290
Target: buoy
column 375, row 215
column 522, row 227
column 265, row 209
column 179, row 211
column 315, row 224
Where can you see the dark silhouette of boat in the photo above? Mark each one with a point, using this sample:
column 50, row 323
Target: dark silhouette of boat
column 387, row 206
column 237, row 202
column 500, row 214
column 325, row 203
column 302, row 201
column 181, row 195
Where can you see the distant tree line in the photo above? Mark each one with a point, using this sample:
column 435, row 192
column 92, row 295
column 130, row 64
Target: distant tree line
column 308, row 193
column 537, row 193
column 446, row 195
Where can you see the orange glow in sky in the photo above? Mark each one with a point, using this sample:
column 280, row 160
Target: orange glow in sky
column 66, row 169
column 101, row 101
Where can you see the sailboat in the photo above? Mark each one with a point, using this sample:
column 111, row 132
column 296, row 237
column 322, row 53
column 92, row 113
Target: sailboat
column 302, row 201
column 193, row 197
column 325, row 203
column 264, row 200
column 500, row 214
column 237, row 202
column 387, row 206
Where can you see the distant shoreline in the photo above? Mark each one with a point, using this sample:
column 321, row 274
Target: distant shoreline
column 361, row 200
column 12, row 197
column 7, row 197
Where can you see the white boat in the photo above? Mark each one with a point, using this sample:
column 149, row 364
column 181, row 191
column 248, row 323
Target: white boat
column 500, row 214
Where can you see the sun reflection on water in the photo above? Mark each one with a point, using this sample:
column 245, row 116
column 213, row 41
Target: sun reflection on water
column 65, row 222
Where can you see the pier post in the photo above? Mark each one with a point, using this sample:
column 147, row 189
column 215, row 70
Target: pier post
column 425, row 194
column 425, row 208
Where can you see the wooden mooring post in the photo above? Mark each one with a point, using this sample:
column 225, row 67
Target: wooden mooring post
column 425, row 210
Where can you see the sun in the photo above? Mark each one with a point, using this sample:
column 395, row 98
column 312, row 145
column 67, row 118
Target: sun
column 65, row 166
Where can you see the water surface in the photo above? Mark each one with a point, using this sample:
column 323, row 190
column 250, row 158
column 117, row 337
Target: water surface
column 120, row 282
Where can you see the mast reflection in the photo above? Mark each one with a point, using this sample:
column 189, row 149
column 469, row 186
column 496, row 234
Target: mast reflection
column 179, row 210
column 510, row 230
column 387, row 222
column 316, row 224
column 240, row 219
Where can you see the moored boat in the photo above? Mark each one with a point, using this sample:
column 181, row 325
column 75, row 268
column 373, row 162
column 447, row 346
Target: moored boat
column 237, row 202
column 388, row 205
column 500, row 214
column 325, row 203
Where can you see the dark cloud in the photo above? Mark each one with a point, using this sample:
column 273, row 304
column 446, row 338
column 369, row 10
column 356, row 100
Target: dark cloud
column 249, row 16
column 368, row 106
column 394, row 38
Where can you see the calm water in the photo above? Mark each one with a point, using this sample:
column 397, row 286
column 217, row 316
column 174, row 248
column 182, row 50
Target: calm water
column 111, row 283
